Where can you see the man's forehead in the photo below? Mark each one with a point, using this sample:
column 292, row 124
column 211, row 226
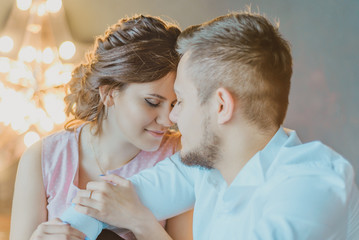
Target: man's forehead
column 183, row 74
column 177, row 87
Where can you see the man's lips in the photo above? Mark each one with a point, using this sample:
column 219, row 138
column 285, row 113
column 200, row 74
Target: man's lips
column 156, row 133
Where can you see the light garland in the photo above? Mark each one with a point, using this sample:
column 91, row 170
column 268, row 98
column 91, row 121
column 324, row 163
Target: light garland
column 31, row 86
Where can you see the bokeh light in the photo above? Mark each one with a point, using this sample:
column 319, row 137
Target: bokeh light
column 5, row 65
column 30, row 138
column 48, row 55
column 67, row 50
column 27, row 54
column 53, row 5
column 6, row 44
column 41, row 10
column 23, row 4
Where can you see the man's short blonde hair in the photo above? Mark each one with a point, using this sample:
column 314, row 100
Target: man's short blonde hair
column 246, row 54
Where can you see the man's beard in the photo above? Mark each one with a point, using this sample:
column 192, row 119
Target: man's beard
column 207, row 153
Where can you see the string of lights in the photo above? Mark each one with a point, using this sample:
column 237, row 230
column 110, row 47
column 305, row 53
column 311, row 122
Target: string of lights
column 33, row 74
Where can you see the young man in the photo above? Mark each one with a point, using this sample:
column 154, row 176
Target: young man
column 246, row 176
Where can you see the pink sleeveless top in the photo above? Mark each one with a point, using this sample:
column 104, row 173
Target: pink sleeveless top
column 60, row 166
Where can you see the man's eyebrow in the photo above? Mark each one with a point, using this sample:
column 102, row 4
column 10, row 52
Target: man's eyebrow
column 158, row 96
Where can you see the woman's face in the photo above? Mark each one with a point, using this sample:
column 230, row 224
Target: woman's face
column 140, row 113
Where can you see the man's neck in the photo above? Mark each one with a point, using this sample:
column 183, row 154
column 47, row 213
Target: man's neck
column 238, row 147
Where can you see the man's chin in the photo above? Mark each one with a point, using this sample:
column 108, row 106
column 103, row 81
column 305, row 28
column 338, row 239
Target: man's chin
column 194, row 158
column 184, row 157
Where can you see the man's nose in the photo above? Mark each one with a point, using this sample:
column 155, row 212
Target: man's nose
column 173, row 114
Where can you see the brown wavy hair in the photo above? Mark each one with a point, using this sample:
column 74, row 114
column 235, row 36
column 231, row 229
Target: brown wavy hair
column 139, row 49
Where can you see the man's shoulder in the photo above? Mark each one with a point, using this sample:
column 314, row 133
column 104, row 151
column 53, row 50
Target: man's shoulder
column 311, row 165
column 307, row 169
column 308, row 157
column 286, row 155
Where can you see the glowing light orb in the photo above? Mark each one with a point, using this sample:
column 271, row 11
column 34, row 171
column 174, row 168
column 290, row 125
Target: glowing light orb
column 23, row 4
column 5, row 65
column 67, row 50
column 6, row 44
column 41, row 10
column 53, row 5
column 48, row 55
column 27, row 53
column 30, row 138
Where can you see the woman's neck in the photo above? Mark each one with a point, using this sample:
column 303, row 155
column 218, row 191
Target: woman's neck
column 109, row 149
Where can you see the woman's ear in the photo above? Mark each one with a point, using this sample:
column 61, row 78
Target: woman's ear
column 225, row 105
column 106, row 95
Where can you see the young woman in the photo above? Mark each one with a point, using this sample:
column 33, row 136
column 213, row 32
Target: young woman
column 120, row 99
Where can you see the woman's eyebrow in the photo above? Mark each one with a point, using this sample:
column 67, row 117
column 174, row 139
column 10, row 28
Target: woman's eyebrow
column 158, row 96
column 174, row 102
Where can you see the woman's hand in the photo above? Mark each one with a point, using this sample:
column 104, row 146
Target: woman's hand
column 115, row 202
column 56, row 229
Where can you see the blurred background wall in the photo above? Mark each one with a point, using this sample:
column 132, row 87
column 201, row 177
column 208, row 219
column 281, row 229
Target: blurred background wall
column 324, row 35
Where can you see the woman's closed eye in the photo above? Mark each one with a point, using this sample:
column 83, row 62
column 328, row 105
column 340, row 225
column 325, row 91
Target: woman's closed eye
column 173, row 104
column 152, row 102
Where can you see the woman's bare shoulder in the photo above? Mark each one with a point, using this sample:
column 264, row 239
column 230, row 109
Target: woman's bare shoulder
column 31, row 158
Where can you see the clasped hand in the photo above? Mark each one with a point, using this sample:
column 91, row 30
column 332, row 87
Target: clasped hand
column 113, row 201
column 56, row 229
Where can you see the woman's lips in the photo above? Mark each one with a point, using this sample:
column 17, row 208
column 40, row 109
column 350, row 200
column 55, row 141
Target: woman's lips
column 155, row 133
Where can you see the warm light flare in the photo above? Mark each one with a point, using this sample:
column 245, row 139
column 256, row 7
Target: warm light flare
column 14, row 104
column 5, row 65
column 27, row 54
column 54, row 106
column 19, row 125
column 23, row 4
column 67, row 50
column 48, row 55
column 53, row 5
column 6, row 44
column 66, row 77
column 34, row 28
column 41, row 10
column 21, row 74
column 31, row 86
column 30, row 138
column 52, row 75
column 46, row 124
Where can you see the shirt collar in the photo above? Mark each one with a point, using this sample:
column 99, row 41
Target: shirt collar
column 254, row 172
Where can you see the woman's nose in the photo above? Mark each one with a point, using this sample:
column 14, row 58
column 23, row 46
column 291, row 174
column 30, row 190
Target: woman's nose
column 164, row 118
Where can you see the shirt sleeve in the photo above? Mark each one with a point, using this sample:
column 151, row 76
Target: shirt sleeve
column 304, row 208
column 167, row 189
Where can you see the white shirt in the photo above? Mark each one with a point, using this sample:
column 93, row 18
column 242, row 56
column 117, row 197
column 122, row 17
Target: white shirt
column 289, row 190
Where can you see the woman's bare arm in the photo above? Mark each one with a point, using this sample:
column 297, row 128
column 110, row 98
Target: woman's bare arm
column 180, row 227
column 29, row 202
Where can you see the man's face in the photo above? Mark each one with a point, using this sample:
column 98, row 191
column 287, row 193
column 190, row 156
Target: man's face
column 199, row 142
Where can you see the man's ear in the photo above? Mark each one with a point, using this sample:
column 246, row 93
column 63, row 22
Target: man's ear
column 225, row 105
column 107, row 96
